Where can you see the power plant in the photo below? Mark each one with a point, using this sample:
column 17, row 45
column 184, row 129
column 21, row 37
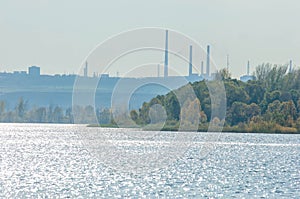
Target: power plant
column 190, row 69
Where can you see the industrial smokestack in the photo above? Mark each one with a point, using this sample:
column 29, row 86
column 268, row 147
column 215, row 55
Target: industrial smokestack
column 202, row 67
column 191, row 61
column 248, row 68
column 291, row 66
column 208, row 62
column 166, row 56
column 85, row 71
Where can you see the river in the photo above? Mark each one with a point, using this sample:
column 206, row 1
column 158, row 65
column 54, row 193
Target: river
column 52, row 160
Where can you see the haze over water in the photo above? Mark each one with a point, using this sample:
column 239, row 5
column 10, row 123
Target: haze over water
column 47, row 160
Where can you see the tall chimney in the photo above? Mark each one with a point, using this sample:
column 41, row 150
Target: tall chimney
column 202, row 67
column 191, row 61
column 291, row 66
column 85, row 71
column 208, row 62
column 166, row 56
column 248, row 68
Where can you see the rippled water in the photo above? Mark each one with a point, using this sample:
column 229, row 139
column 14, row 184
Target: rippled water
column 42, row 160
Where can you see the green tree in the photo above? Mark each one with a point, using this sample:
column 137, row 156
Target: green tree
column 2, row 110
column 50, row 114
column 144, row 113
column 289, row 111
column 271, row 77
column 134, row 115
column 190, row 112
column 235, row 93
column 298, row 125
column 252, row 110
column 298, row 107
column 172, row 107
column 237, row 113
column 69, row 115
column 37, row 115
column 274, row 113
column 262, row 72
column 20, row 110
column 255, row 92
column 223, row 74
column 272, row 96
column 105, row 116
column 57, row 115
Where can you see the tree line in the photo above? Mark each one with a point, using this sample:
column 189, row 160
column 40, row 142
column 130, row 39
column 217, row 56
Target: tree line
column 270, row 103
column 52, row 114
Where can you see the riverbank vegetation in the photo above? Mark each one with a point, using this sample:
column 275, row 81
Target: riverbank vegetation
column 268, row 104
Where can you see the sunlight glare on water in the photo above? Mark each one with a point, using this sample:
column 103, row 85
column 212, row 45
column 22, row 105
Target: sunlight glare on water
column 49, row 160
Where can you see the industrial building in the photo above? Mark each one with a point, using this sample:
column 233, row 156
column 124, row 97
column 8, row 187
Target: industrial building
column 247, row 77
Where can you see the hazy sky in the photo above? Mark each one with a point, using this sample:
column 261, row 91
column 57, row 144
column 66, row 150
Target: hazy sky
column 58, row 34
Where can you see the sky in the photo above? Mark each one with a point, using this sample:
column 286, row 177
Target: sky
column 57, row 35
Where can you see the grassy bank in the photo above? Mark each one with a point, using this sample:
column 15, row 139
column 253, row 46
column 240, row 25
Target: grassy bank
column 265, row 127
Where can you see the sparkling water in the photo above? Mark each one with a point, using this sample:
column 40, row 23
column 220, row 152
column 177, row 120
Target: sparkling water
column 51, row 160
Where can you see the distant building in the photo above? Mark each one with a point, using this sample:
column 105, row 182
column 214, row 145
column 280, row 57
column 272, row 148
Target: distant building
column 104, row 75
column 246, row 78
column 34, row 71
column 194, row 77
column 20, row 73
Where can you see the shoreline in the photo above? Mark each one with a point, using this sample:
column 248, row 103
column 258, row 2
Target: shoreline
column 202, row 130
column 170, row 128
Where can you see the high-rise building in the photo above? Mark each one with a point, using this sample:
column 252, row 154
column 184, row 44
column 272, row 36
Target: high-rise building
column 34, row 71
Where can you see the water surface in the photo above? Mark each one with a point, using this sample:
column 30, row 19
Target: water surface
column 47, row 160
